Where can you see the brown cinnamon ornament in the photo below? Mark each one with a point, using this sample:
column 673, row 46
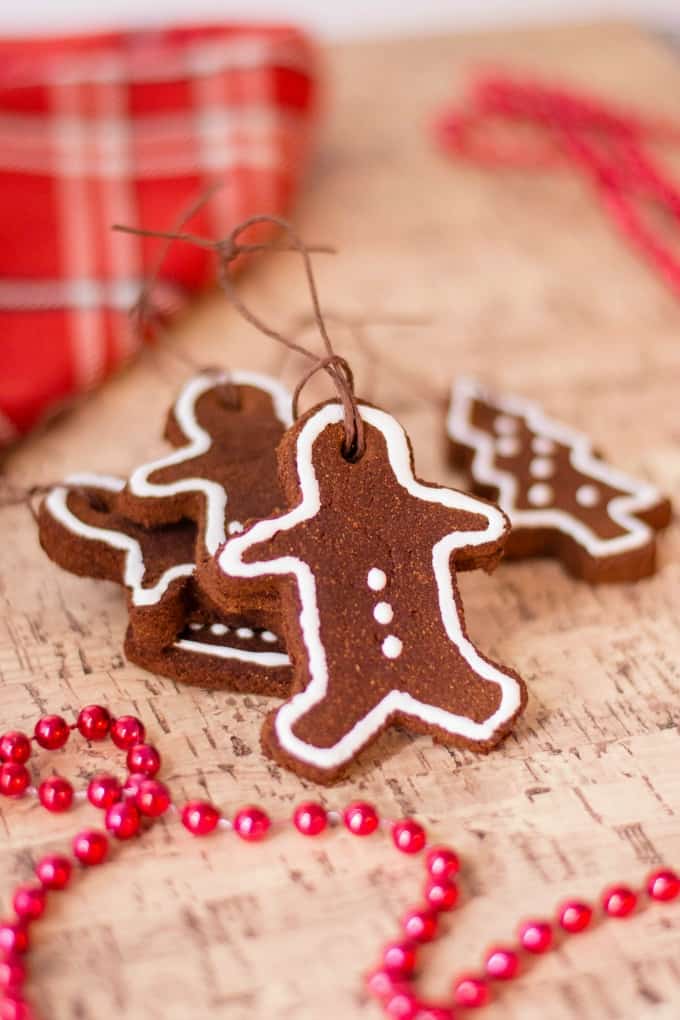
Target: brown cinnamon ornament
column 173, row 629
column 364, row 561
column 562, row 499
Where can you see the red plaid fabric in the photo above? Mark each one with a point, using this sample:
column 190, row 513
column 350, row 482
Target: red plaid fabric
column 129, row 128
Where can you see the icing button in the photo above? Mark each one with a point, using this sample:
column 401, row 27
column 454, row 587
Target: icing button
column 507, row 446
column 244, row 633
column 542, row 445
column 218, row 629
column 268, row 636
column 383, row 612
column 587, row 495
column 541, row 467
column 540, row 494
column 505, row 425
column 195, row 626
column 377, row 579
column 392, row 647
column 234, row 527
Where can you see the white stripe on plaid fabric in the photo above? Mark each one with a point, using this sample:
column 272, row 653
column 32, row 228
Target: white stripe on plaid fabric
column 118, row 295
column 169, row 62
column 76, row 235
column 164, row 146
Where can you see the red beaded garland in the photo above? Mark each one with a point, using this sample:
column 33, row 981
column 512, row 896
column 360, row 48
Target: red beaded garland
column 103, row 791
column 12, row 973
column 94, row 722
column 13, row 937
column 663, row 885
column 152, row 798
column 123, row 819
column 361, row 818
column 574, row 916
column 471, row 992
column 399, row 958
column 52, row 732
column 12, row 1008
column 54, row 872
column 536, row 936
column 408, row 836
column 619, row 901
column 127, row 731
column 14, row 779
column 15, row 747
column 200, row 817
column 501, row 963
column 29, row 902
column 56, row 794
column 402, row 1005
column 441, row 894
column 144, row 759
column 442, row 863
column 310, row 818
column 420, row 925
column 252, row 824
column 90, row 847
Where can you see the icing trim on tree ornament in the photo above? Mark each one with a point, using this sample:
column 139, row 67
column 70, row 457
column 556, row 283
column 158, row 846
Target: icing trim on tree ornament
column 199, row 443
column 637, row 498
column 231, row 562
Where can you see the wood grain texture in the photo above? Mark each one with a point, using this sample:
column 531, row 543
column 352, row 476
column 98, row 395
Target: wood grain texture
column 517, row 278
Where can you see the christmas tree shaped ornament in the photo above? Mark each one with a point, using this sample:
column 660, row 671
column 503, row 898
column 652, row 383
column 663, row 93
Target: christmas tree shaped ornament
column 173, row 629
column 562, row 499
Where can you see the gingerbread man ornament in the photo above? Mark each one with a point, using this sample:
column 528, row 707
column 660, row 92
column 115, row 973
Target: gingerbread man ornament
column 364, row 563
column 562, row 499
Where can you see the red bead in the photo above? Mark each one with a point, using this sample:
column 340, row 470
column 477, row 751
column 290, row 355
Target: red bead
column 408, row 836
column 425, row 1012
column 442, row 862
column 420, row 925
column 103, row 791
column 15, row 747
column 54, row 872
column 14, row 779
column 251, row 824
column 15, row 1008
column 152, row 798
column 382, row 984
column 13, row 937
column 536, row 936
column 56, row 794
column 94, row 722
column 361, row 818
column 133, row 784
column 501, row 963
column 199, row 817
column 403, row 1005
column 310, row 818
column 575, row 916
column 52, row 732
column 663, row 885
column 441, row 894
column 471, row 992
column 144, row 758
column 12, row 973
column 127, row 731
column 123, row 819
column 619, row 901
column 399, row 958
column 90, row 847
column 29, row 902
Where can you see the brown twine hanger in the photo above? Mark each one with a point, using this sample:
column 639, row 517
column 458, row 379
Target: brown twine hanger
column 228, row 250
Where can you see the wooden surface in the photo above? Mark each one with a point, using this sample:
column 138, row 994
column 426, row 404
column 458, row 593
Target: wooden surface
column 520, row 279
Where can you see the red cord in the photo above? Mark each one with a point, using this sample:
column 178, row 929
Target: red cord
column 609, row 145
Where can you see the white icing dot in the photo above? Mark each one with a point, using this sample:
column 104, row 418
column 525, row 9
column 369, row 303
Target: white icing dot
column 377, row 579
column 195, row 626
column 542, row 445
column 587, row 495
column 541, row 467
column 268, row 636
column 233, row 527
column 507, row 446
column 540, row 494
column 244, row 633
column 383, row 612
column 505, row 425
column 391, row 647
column 218, row 629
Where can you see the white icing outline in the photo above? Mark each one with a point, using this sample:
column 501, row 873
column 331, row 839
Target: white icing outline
column 641, row 496
column 200, row 442
column 230, row 560
column 56, row 502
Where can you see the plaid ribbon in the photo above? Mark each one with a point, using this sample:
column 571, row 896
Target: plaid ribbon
column 129, row 128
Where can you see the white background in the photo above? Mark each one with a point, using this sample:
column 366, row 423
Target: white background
column 332, row 19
